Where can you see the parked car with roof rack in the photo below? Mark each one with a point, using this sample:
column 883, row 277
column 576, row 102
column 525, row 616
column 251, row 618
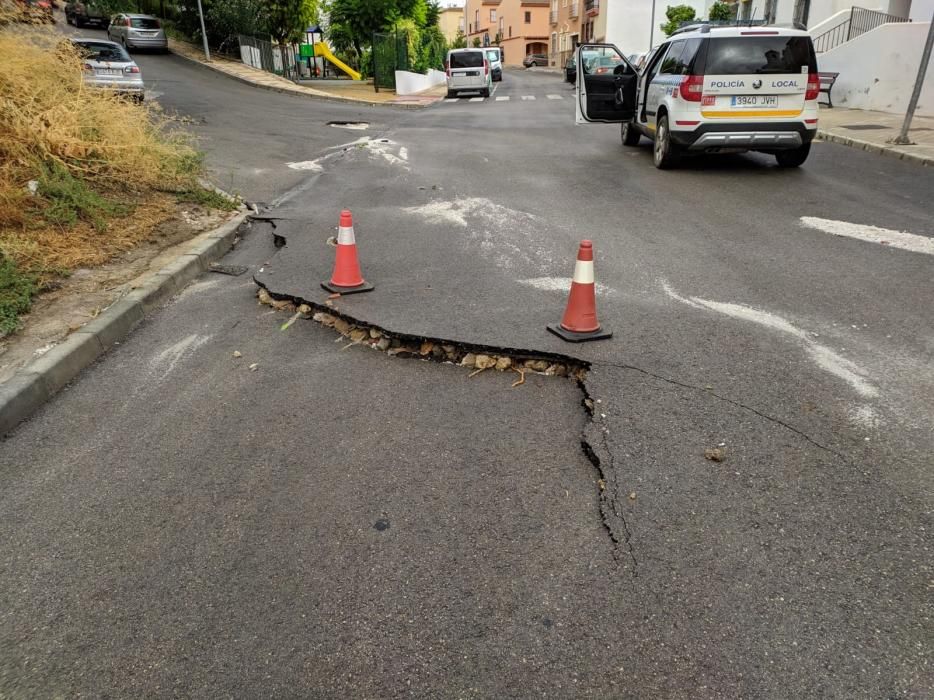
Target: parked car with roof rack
column 138, row 32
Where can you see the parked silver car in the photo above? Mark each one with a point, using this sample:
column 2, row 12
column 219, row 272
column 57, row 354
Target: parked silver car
column 138, row 32
column 108, row 66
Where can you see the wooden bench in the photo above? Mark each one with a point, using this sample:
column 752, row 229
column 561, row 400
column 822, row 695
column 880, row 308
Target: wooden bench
column 826, row 83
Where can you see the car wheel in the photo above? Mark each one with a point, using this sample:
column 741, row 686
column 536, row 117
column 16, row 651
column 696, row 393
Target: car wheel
column 665, row 152
column 794, row 157
column 533, row 64
column 629, row 134
column 485, row 92
column 78, row 22
column 451, row 94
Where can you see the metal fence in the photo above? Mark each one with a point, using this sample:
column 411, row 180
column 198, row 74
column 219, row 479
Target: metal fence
column 270, row 57
column 390, row 53
column 859, row 22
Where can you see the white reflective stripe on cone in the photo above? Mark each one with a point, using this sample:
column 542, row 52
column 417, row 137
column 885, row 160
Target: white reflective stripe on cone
column 345, row 237
column 583, row 272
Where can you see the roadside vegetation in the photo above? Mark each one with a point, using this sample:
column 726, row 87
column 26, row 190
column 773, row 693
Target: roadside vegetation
column 84, row 174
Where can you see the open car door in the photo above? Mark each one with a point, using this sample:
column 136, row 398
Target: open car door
column 606, row 85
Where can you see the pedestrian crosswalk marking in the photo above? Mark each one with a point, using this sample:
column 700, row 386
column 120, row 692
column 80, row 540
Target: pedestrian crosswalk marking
column 502, row 98
column 528, row 97
column 555, row 97
column 476, row 99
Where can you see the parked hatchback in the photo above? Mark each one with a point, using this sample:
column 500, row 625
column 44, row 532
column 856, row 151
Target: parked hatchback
column 138, row 32
column 81, row 14
column 468, row 70
column 108, row 66
column 535, row 59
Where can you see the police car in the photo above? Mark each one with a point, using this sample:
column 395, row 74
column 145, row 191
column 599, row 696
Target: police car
column 709, row 90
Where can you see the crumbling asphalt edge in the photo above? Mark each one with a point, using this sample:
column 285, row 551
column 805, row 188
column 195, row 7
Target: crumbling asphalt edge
column 39, row 381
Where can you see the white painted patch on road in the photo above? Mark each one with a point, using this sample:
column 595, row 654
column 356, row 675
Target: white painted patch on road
column 825, row 358
column 528, row 97
column 555, row 97
column 510, row 239
column 172, row 355
column 351, row 126
column 502, row 98
column 562, row 284
column 476, row 99
column 872, row 234
column 403, row 153
column 452, row 99
column 864, row 416
column 311, row 165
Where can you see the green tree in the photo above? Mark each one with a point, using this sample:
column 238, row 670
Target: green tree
column 433, row 14
column 720, row 12
column 476, row 42
column 359, row 19
column 676, row 15
column 460, row 41
column 287, row 19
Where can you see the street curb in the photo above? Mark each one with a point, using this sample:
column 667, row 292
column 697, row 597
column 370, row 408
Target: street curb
column 874, row 148
column 41, row 379
column 299, row 93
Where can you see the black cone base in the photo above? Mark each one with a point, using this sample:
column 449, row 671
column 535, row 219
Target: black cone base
column 573, row 337
column 365, row 287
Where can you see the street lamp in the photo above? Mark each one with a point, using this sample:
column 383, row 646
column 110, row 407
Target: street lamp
column 204, row 34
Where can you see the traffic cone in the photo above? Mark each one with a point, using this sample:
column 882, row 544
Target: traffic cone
column 346, row 278
column 580, row 317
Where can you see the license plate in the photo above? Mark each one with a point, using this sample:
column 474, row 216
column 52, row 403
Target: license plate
column 754, row 101
column 471, row 73
column 107, row 71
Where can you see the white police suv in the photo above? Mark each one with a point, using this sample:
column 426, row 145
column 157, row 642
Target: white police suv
column 708, row 90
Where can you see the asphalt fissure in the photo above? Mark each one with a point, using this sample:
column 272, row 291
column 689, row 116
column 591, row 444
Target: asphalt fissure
column 479, row 358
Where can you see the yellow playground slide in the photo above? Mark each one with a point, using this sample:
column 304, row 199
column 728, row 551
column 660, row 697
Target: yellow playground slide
column 321, row 49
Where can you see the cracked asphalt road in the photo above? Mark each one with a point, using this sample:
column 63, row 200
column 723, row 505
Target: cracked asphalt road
column 340, row 523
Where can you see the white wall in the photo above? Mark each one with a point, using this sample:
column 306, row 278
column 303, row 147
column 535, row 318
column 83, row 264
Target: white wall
column 921, row 10
column 628, row 24
column 412, row 83
column 878, row 69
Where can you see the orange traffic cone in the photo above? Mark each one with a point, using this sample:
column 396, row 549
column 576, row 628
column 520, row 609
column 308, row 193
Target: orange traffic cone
column 580, row 317
column 346, row 278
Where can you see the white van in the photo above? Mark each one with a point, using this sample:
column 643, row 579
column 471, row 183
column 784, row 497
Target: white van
column 709, row 90
column 494, row 55
column 468, row 70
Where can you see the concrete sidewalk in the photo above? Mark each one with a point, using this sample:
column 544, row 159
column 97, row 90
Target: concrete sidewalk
column 351, row 92
column 873, row 131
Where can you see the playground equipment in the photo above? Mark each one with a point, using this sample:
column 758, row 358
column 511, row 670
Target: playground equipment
column 321, row 50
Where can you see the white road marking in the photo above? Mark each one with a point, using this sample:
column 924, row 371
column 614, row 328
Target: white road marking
column 404, row 153
column 503, row 98
column 872, row 234
column 477, row 99
column 312, row 165
column 528, row 97
column 170, row 356
column 555, row 97
column 825, row 358
column 452, row 99
column 562, row 284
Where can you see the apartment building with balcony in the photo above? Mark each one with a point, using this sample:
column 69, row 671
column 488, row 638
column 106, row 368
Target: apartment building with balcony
column 519, row 27
column 451, row 20
column 565, row 19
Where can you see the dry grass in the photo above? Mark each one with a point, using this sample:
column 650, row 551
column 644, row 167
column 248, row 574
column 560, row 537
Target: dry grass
column 104, row 171
column 95, row 155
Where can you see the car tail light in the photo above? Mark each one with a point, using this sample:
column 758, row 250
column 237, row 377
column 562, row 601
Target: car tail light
column 88, row 67
column 131, row 69
column 813, row 87
column 447, row 68
column 692, row 88
column 486, row 67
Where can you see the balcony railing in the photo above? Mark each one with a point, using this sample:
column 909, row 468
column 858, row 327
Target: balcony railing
column 553, row 17
column 575, row 10
column 592, row 7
